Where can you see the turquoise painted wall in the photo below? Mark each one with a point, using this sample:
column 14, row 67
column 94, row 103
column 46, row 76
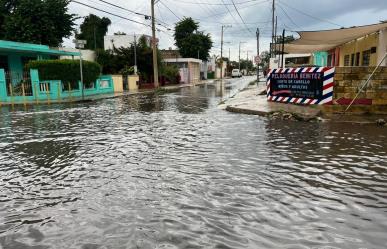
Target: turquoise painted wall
column 320, row 59
column 15, row 64
column 103, row 86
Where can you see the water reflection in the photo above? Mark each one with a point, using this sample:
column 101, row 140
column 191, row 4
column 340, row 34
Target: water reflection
column 173, row 171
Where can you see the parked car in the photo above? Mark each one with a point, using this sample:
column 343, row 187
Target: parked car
column 236, row 73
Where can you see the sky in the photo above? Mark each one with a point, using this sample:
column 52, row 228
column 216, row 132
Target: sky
column 241, row 18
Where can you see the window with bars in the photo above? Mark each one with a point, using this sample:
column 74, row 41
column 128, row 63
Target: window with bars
column 346, row 60
column 366, row 57
column 357, row 59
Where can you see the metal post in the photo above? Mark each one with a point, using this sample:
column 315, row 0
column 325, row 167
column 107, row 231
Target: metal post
column 283, row 48
column 81, row 68
column 239, row 56
column 275, row 38
column 135, row 54
column 155, row 67
column 247, row 63
column 221, row 55
column 272, row 34
column 257, row 53
column 229, row 58
column 366, row 83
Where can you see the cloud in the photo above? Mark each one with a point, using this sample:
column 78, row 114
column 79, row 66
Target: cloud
column 292, row 15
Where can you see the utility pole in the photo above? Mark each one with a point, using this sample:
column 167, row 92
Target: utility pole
column 221, row 55
column 257, row 54
column 240, row 55
column 155, row 67
column 272, row 34
column 247, row 63
column 283, row 48
column 221, row 51
column 275, row 39
column 135, row 54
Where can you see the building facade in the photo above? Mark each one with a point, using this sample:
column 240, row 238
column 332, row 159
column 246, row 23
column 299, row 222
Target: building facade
column 364, row 51
column 189, row 69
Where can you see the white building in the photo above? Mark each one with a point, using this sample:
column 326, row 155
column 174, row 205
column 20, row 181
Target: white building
column 87, row 55
column 290, row 60
column 125, row 41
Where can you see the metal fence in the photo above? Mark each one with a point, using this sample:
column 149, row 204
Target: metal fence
column 18, row 84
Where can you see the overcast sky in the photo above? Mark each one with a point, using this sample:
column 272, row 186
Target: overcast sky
column 293, row 15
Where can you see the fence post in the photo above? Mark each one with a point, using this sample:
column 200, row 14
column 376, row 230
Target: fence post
column 48, row 92
column 11, row 93
column 24, row 94
column 59, row 89
column 3, row 87
column 34, row 74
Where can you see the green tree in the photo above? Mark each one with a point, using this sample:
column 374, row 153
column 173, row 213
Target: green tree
column 114, row 61
column 288, row 38
column 191, row 42
column 36, row 21
column 265, row 60
column 93, row 29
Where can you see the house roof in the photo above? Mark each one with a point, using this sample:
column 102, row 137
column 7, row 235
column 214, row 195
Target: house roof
column 10, row 46
column 323, row 40
column 177, row 60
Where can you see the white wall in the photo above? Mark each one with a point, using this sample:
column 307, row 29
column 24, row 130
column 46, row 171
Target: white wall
column 382, row 46
column 87, row 55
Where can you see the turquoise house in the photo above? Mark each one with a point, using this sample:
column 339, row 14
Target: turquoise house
column 320, row 59
column 19, row 85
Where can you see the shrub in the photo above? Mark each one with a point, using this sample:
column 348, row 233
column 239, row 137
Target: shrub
column 68, row 71
column 171, row 73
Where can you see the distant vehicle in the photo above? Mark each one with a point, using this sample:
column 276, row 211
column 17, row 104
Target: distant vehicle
column 236, row 73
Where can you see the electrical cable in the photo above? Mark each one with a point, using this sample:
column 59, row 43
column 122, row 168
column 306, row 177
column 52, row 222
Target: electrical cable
column 107, row 12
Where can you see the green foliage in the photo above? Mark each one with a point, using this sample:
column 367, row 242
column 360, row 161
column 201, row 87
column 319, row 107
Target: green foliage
column 190, row 41
column 265, row 56
column 36, row 21
column 247, row 64
column 288, row 38
column 114, row 61
column 127, row 70
column 93, row 29
column 67, row 71
column 170, row 72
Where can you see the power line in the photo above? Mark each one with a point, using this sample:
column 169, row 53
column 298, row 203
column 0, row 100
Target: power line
column 107, row 12
column 314, row 17
column 240, row 16
column 229, row 11
column 137, row 13
column 117, row 6
column 169, row 9
column 207, row 3
column 291, row 20
column 242, row 7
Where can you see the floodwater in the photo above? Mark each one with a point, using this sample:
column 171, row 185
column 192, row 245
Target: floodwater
column 174, row 171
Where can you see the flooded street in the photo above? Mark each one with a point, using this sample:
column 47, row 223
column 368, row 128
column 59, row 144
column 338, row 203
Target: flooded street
column 174, row 171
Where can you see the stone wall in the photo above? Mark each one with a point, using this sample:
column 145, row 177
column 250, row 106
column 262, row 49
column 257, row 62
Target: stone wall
column 349, row 79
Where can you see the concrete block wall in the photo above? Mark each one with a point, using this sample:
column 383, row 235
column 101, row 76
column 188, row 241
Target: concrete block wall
column 349, row 79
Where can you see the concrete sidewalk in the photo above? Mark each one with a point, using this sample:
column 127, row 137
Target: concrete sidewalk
column 249, row 101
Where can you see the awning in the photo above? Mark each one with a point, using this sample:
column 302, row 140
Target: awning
column 324, row 40
column 297, row 49
column 10, row 46
column 337, row 37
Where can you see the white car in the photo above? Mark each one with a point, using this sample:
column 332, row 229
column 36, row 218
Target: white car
column 236, row 73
